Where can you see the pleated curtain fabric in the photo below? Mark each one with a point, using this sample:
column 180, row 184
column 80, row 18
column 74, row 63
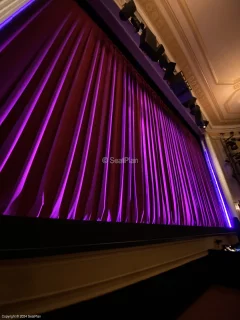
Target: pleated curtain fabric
column 72, row 107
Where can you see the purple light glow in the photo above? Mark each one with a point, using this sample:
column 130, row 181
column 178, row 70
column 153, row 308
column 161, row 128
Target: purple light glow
column 13, row 15
column 217, row 186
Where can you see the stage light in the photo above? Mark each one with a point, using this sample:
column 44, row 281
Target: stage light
column 199, row 120
column 136, row 23
column 185, row 97
column 194, row 109
column 148, row 44
column 127, row 11
column 205, row 124
column 177, row 78
column 178, row 84
column 163, row 61
column 160, row 51
column 169, row 70
column 190, row 103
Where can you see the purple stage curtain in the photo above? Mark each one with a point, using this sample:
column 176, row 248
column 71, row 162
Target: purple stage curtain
column 68, row 99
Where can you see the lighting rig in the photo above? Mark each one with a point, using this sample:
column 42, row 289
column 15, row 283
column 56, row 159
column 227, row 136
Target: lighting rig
column 156, row 52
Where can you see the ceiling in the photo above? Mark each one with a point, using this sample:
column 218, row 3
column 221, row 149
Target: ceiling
column 203, row 38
